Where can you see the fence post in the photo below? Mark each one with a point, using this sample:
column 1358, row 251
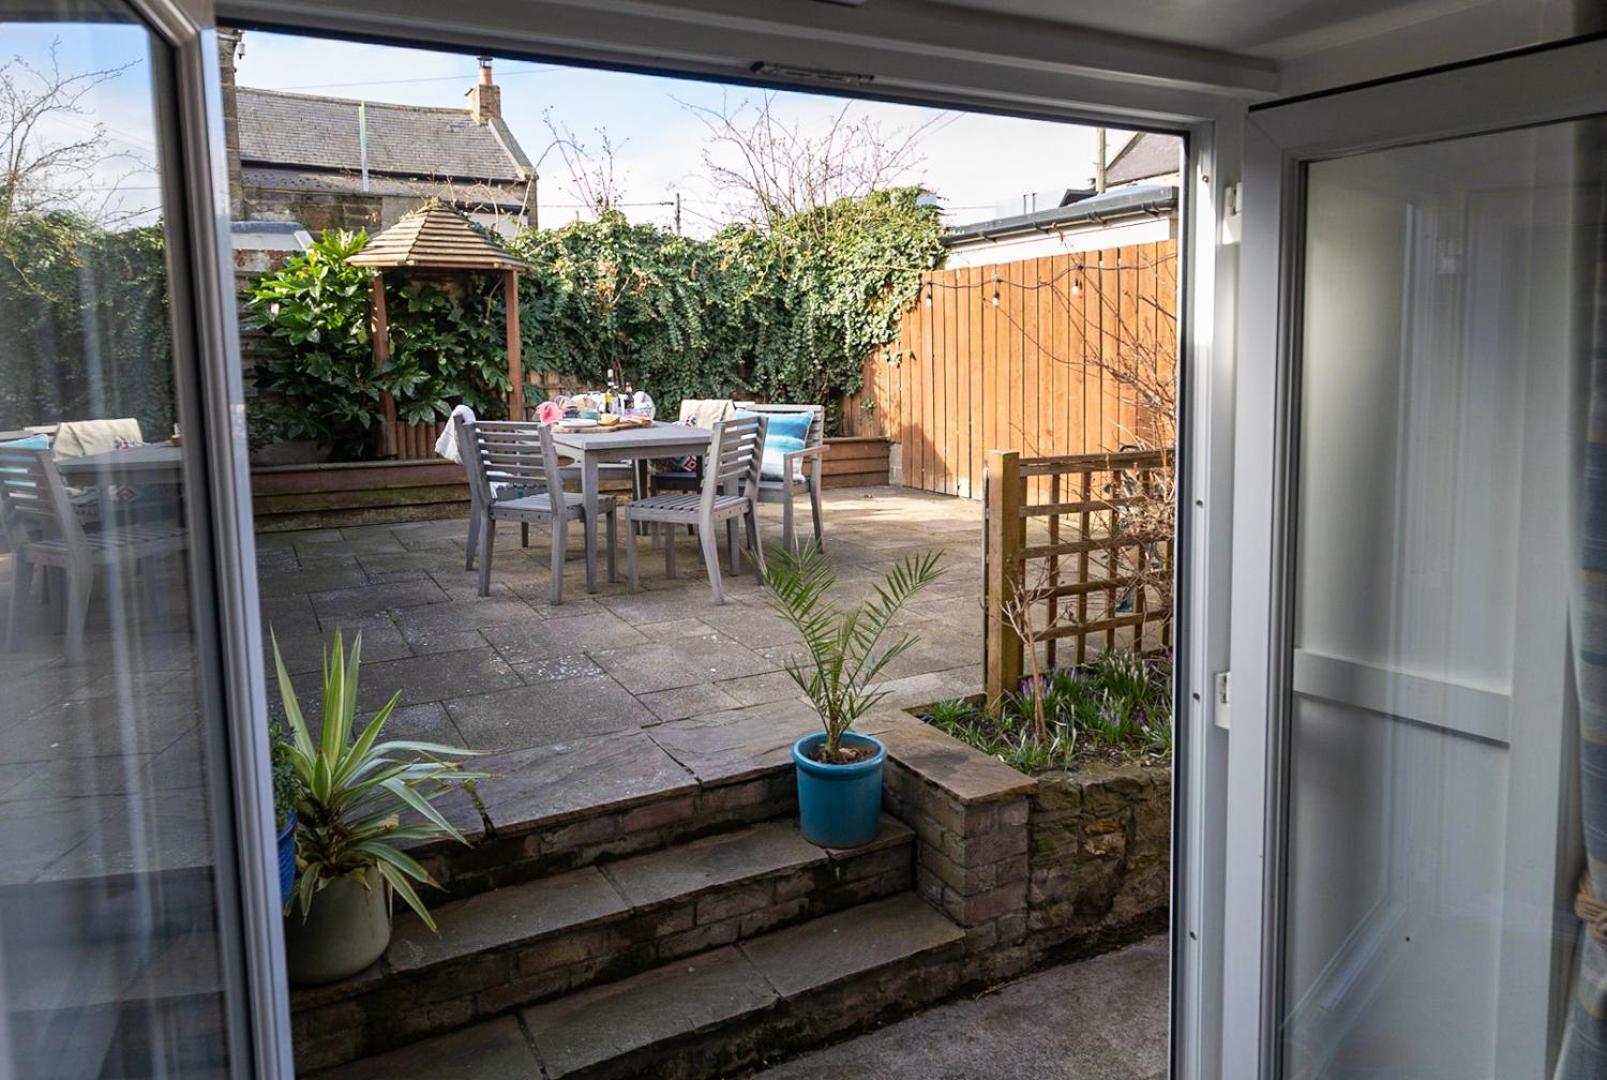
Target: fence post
column 1005, row 539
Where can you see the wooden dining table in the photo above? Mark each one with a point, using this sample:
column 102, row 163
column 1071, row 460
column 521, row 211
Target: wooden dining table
column 638, row 445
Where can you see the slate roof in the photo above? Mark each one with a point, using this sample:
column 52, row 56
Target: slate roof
column 1145, row 156
column 308, row 131
column 438, row 237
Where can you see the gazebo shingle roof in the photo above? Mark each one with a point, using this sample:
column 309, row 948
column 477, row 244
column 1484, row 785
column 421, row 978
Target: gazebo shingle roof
column 435, row 236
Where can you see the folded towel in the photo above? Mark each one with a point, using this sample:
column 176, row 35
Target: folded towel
column 447, row 445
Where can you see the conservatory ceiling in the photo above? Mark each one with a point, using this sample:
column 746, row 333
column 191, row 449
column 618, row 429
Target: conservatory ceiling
column 1265, row 29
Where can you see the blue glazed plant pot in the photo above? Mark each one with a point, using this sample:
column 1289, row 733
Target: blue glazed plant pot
column 287, row 859
column 839, row 806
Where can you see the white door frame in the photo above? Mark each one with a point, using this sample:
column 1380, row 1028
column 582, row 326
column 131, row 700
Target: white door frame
column 1536, row 86
column 925, row 54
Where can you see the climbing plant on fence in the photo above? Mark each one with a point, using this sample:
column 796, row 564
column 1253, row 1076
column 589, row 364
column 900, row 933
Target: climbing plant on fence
column 84, row 328
column 786, row 312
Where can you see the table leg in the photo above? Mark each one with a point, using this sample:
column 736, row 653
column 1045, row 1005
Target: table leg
column 588, row 491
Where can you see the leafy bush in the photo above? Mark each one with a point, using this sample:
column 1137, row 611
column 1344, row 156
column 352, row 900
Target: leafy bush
column 84, row 322
column 447, row 346
column 785, row 313
column 1116, row 708
column 286, row 784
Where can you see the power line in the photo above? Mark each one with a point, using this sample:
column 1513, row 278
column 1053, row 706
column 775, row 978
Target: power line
column 400, row 82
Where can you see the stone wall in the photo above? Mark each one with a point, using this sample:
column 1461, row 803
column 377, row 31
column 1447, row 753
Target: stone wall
column 1099, row 843
column 1030, row 867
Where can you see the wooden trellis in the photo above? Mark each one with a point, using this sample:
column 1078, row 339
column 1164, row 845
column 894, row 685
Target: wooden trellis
column 1084, row 544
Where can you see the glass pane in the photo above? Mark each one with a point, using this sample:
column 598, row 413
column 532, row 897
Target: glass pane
column 1443, row 288
column 109, row 944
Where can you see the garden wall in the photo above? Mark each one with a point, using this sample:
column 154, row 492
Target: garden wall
column 1030, row 867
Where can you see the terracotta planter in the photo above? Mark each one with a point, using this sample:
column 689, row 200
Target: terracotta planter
column 347, row 929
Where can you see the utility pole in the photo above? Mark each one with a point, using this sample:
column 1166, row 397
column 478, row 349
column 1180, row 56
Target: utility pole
column 1099, row 161
column 677, row 213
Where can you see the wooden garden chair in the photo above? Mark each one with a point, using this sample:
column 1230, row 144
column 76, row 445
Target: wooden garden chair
column 507, row 453
column 730, row 491
column 783, row 477
column 43, row 529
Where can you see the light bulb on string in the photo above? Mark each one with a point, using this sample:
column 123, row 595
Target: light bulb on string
column 996, row 280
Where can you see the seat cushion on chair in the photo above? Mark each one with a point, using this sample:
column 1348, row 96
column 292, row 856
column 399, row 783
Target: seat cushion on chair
column 784, row 434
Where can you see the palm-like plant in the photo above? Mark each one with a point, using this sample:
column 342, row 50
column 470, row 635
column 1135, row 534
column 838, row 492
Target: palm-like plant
column 845, row 645
column 354, row 790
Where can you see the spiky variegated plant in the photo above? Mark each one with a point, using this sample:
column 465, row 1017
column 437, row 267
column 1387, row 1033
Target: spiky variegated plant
column 845, row 651
column 354, row 790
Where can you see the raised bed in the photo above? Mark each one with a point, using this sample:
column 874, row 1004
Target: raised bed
column 334, row 494
column 331, row 494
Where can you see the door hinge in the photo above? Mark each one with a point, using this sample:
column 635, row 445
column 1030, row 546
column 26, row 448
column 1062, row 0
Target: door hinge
column 1220, row 715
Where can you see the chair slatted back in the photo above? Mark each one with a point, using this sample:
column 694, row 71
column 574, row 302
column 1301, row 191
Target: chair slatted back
column 736, row 450
column 515, row 452
column 34, row 504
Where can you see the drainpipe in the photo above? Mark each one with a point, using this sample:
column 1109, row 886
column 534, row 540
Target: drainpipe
column 362, row 140
column 1099, row 161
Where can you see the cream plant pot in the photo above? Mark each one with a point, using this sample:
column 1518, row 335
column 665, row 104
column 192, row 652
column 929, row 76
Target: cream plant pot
column 347, row 929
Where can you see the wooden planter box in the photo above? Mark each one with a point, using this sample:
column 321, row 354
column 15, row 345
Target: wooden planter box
column 855, row 461
column 336, row 494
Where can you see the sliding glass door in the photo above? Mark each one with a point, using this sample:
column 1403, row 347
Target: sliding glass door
column 1418, row 648
column 134, row 909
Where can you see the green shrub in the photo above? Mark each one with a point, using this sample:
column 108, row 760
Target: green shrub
column 84, row 323
column 447, row 346
column 1118, row 707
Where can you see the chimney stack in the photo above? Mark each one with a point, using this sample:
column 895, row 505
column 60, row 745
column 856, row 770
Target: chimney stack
column 485, row 99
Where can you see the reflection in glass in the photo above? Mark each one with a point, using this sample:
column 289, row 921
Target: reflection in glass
column 1432, row 819
column 109, row 956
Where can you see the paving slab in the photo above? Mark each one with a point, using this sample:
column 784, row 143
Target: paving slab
column 420, row 622
column 558, row 668
column 849, row 943
column 548, row 712
column 550, row 784
column 768, row 848
column 663, row 665
column 374, row 599
column 727, row 746
column 763, row 689
column 596, row 1025
column 952, row 765
column 543, row 638
column 685, row 701
column 422, row 678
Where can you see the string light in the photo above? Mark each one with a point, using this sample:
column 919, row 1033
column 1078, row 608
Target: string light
column 928, row 294
column 996, row 280
column 1076, row 285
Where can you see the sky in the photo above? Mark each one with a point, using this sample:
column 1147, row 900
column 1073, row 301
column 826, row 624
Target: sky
column 980, row 166
column 973, row 162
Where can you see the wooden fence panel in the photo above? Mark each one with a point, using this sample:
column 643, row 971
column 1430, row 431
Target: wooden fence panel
column 1026, row 356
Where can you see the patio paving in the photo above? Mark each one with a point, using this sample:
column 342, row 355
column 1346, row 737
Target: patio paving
column 655, row 689
column 609, row 693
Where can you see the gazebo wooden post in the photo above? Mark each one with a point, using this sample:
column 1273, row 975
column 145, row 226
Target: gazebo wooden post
column 516, row 375
column 380, row 332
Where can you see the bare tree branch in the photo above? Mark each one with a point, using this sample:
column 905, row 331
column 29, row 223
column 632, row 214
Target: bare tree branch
column 771, row 168
column 41, row 171
column 593, row 179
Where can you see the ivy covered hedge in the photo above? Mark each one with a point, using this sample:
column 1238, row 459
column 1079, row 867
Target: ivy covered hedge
column 84, row 328
column 784, row 313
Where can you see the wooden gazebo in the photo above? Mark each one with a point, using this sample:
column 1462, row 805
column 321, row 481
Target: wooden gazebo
column 438, row 238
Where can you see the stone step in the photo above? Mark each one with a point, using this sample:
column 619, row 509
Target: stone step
column 543, row 817
column 117, row 1008
column 716, row 1013
column 527, row 943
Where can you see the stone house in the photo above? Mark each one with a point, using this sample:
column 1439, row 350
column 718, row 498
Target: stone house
column 328, row 162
